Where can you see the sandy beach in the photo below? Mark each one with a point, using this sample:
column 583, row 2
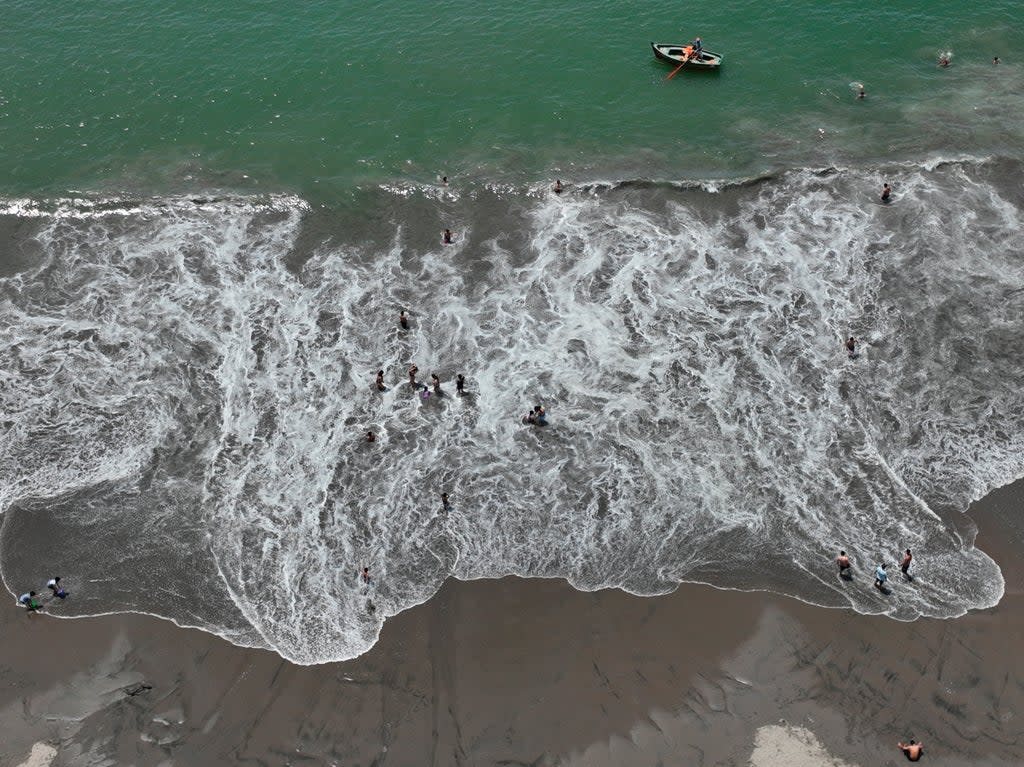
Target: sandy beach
column 516, row 672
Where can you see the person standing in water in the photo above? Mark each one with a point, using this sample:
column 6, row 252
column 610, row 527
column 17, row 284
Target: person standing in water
column 413, row 370
column 364, row 577
column 886, row 192
column 447, row 237
column 445, row 505
column 460, row 383
column 911, row 750
column 437, row 383
column 371, row 437
column 558, row 186
column 880, row 576
column 905, row 565
column 851, row 347
column 403, row 320
column 380, row 381
column 843, row 562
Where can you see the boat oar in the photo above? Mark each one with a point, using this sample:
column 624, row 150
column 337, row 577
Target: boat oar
column 676, row 70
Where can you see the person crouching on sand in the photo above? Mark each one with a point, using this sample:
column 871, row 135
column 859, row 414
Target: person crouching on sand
column 911, row 750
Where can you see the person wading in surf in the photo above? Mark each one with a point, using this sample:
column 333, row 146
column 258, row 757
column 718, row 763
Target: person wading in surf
column 905, row 565
column 880, row 577
column 886, row 192
column 460, row 383
column 380, row 381
column 913, row 751
column 843, row 562
column 403, row 321
column 851, row 347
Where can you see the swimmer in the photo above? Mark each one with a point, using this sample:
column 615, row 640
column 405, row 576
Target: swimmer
column 995, row 60
column 905, row 565
column 371, row 437
column 880, row 577
column 851, row 347
column 380, row 381
column 530, row 418
column 444, row 180
column 862, row 93
column 944, row 62
column 460, row 383
column 403, row 320
column 447, row 237
column 886, row 192
column 843, row 562
column 558, row 186
column 436, row 382
column 911, row 750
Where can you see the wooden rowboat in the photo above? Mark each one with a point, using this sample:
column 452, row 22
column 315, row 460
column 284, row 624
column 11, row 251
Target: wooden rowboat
column 676, row 54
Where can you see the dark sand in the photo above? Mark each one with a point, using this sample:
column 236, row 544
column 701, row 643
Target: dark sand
column 517, row 672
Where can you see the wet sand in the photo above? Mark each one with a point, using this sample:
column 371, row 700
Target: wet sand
column 516, row 672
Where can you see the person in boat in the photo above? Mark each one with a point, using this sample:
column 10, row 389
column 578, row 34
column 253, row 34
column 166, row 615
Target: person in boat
column 698, row 47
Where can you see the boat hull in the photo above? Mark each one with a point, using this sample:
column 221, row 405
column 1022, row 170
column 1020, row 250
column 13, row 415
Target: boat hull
column 675, row 54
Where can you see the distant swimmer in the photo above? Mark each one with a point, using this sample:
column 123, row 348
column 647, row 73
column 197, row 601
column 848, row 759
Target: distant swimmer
column 447, row 237
column 444, row 502
column 29, row 602
column 913, row 751
column 54, row 585
column 403, row 320
column 460, row 384
column 886, row 192
column 862, row 94
column 558, row 186
column 436, row 383
column 880, row 577
column 380, row 381
column 851, row 347
column 843, row 562
column 944, row 62
column 371, row 437
column 413, row 370
column 444, row 180
column 905, row 565
column 995, row 60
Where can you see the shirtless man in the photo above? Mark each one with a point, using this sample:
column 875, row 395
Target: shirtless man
column 851, row 347
column 403, row 320
column 905, row 565
column 413, row 370
column 886, row 192
column 436, row 382
column 843, row 562
column 911, row 750
column 380, row 381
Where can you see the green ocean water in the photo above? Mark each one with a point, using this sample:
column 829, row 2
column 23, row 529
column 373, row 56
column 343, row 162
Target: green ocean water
column 316, row 97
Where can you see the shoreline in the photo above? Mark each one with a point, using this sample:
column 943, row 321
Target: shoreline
column 533, row 671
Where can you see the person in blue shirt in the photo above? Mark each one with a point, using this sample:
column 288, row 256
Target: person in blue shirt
column 880, row 577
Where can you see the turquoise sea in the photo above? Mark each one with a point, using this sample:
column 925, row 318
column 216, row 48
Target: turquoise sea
column 314, row 97
column 211, row 215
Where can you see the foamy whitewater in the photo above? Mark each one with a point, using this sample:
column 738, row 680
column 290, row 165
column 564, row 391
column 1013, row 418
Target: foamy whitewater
column 186, row 384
